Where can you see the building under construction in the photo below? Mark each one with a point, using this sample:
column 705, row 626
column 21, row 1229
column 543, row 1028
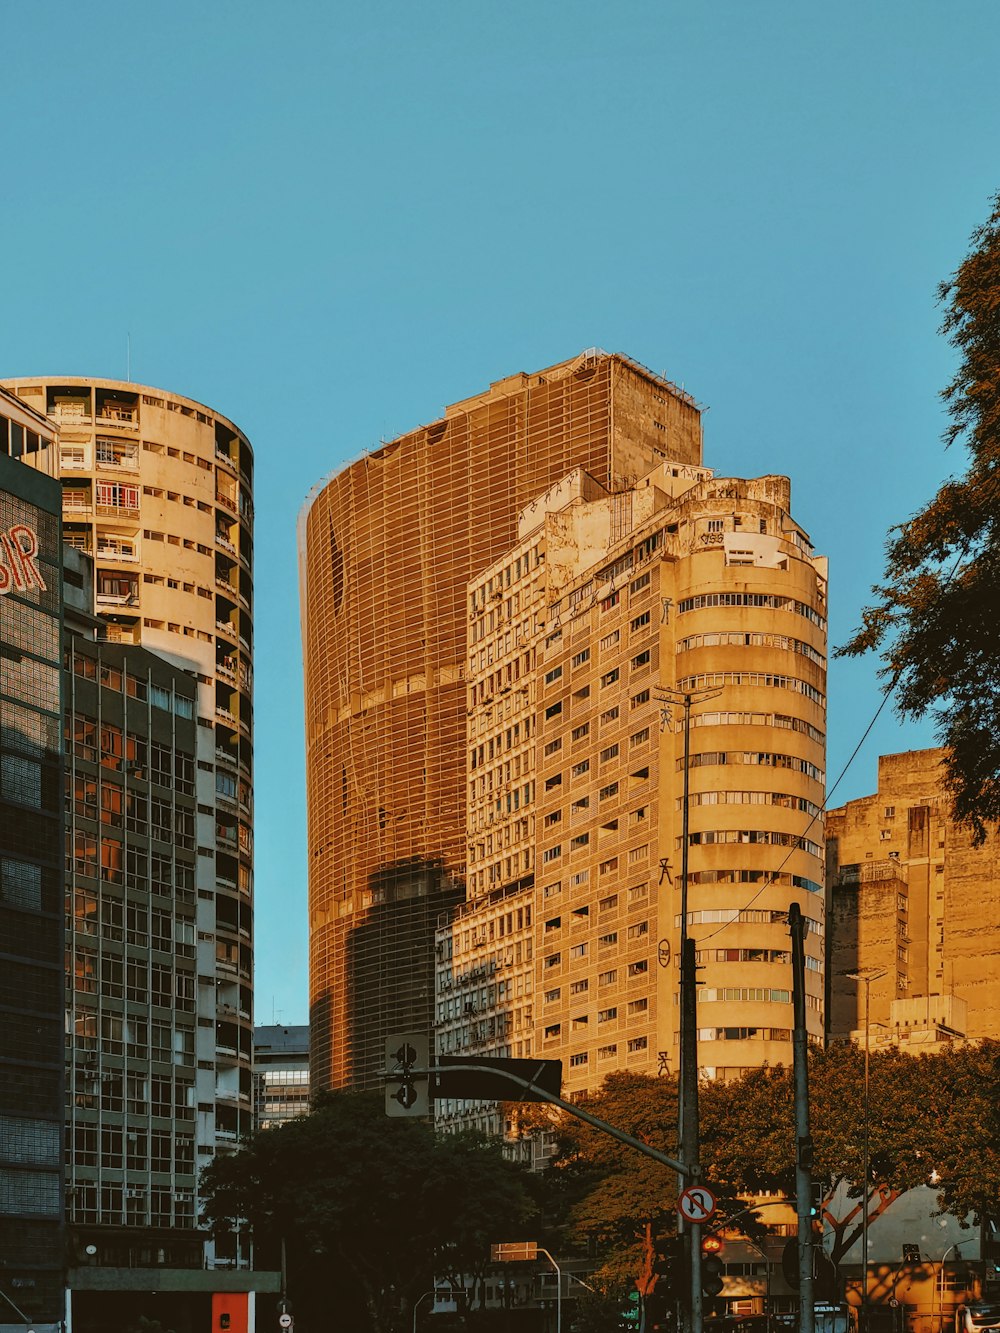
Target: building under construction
column 387, row 548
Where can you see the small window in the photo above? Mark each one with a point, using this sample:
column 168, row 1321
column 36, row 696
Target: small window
column 579, row 658
column 610, row 677
column 553, row 675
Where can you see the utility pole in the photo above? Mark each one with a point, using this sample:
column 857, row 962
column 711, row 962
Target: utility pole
column 867, row 975
column 688, row 1135
column 803, row 1139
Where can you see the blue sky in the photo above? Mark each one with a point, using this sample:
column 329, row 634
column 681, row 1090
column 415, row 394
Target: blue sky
column 329, row 220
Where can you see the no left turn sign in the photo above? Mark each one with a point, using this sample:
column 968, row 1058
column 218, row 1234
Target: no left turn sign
column 696, row 1203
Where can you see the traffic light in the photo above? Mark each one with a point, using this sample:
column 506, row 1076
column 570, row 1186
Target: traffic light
column 406, row 1088
column 712, row 1267
column 668, row 1265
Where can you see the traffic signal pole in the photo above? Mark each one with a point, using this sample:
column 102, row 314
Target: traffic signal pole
column 803, row 1139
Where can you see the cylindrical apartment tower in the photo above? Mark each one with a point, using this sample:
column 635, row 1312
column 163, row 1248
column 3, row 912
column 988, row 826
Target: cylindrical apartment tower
column 158, row 490
column 746, row 639
column 387, row 547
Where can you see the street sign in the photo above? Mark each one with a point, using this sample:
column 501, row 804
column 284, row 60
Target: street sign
column 285, row 1320
column 696, row 1203
column 514, row 1252
column 407, row 1091
column 464, row 1076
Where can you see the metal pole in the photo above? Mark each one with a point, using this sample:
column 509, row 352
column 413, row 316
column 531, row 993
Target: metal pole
column 868, row 975
column 558, row 1288
column 803, row 1139
column 416, row 1306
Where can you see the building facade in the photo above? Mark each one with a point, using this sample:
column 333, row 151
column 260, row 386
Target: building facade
column 387, row 549
column 915, row 906
column 32, row 1196
column 280, row 1074
column 584, row 638
column 157, row 491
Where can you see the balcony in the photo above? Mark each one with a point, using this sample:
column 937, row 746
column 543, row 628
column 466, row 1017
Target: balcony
column 129, row 599
column 121, row 418
column 227, row 502
column 116, row 554
column 224, row 542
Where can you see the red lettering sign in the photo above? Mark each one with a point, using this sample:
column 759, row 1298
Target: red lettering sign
column 18, row 564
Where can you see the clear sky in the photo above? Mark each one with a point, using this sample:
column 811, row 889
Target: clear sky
column 328, row 220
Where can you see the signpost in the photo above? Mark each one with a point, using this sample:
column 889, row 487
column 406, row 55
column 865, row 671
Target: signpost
column 696, row 1204
column 514, row 1252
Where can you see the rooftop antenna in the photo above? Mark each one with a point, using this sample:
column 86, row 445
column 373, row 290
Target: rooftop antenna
column 128, row 358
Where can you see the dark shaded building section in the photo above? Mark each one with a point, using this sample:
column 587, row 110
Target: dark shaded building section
column 32, row 1242
column 390, row 961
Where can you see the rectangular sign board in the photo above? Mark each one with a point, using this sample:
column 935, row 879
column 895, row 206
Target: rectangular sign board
column 460, row 1080
column 514, row 1252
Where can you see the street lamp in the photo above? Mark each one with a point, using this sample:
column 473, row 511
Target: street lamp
column 867, row 975
column 558, row 1288
column 939, row 1286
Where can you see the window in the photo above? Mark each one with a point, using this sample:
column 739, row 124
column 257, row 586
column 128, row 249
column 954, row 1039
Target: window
column 606, row 941
column 639, row 737
column 553, row 746
column 579, row 1059
column 578, row 770
column 609, row 715
column 607, row 978
column 553, row 710
column 553, row 675
column 579, row 987
column 607, row 1015
column 578, row 951
column 552, row 995
column 641, row 660
column 609, row 752
column 638, row 1044
column 579, row 732
column 580, row 657
column 610, row 640
column 636, row 931
column 639, row 622
column 552, row 853
column 638, row 1006
column 637, row 969
column 578, row 841
column 610, row 677
column 607, row 792
column 638, row 584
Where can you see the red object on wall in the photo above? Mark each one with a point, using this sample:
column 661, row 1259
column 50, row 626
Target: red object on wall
column 230, row 1310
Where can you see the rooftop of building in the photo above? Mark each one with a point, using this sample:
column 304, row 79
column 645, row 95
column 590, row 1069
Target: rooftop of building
column 11, row 385
column 277, row 1039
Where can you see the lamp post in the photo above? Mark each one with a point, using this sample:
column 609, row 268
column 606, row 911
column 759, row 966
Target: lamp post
column 558, row 1288
column 416, row 1306
column 938, row 1292
column 866, row 975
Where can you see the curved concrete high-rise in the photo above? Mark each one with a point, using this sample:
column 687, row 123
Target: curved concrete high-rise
column 157, row 489
column 387, row 547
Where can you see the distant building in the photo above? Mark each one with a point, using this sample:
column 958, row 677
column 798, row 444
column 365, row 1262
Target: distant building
column 32, row 1009
column 915, row 906
column 580, row 637
column 280, row 1074
column 388, row 546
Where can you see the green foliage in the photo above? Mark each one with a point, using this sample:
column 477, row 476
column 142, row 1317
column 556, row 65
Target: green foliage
column 928, row 1114
column 936, row 618
column 371, row 1209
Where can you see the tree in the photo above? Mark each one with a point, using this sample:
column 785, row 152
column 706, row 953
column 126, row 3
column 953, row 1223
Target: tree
column 370, row 1209
column 933, row 1120
column 937, row 615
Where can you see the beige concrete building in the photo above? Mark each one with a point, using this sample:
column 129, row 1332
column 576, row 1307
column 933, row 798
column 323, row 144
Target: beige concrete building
column 388, row 547
column 915, row 902
column 579, row 637
column 157, row 489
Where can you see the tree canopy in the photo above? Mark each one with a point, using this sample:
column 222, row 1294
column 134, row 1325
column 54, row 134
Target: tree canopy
column 936, row 618
column 933, row 1119
column 371, row 1209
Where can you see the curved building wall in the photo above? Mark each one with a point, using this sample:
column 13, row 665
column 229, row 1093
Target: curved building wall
column 158, row 490
column 749, row 628
column 387, row 548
